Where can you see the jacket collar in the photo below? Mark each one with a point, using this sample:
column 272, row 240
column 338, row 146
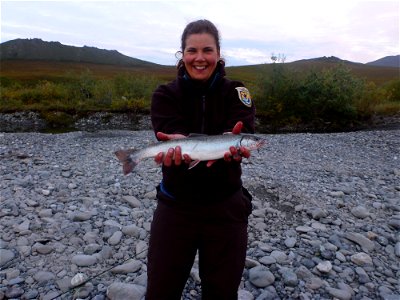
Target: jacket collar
column 219, row 73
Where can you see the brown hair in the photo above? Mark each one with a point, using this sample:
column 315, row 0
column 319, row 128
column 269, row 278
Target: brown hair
column 197, row 27
column 200, row 26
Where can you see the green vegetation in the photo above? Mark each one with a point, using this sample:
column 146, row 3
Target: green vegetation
column 286, row 95
column 79, row 93
column 330, row 98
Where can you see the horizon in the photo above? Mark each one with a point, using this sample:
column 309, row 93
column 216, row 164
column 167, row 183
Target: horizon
column 313, row 58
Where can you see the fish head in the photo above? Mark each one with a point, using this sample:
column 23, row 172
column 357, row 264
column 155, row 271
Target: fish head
column 252, row 142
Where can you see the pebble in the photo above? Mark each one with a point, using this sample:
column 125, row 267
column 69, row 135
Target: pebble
column 129, row 267
column 261, row 276
column 83, row 260
column 361, row 259
column 66, row 209
column 119, row 290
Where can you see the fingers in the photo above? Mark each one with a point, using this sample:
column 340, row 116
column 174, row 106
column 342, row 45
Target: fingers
column 172, row 157
column 178, row 156
column 233, row 154
column 187, row 159
column 244, row 152
column 161, row 136
column 237, row 129
column 159, row 158
column 236, row 154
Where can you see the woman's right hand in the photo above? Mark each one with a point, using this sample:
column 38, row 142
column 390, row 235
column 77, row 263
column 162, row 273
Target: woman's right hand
column 173, row 155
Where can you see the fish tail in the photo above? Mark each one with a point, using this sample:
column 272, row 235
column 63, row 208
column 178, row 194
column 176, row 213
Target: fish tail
column 128, row 164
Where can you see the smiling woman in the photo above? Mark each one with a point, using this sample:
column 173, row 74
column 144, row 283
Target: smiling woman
column 203, row 209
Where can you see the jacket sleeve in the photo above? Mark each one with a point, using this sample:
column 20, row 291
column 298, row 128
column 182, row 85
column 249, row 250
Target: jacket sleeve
column 241, row 108
column 166, row 114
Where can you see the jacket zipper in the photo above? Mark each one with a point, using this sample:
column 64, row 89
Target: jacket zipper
column 204, row 114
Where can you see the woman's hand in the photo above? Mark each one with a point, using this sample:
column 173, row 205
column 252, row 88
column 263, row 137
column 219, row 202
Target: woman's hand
column 236, row 154
column 173, row 155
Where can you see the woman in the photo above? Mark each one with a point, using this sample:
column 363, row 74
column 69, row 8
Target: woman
column 205, row 208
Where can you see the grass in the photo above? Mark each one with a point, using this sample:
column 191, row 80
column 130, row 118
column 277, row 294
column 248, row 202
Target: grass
column 285, row 94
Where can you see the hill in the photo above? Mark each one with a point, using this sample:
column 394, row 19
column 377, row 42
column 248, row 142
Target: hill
column 37, row 49
column 388, row 61
column 32, row 59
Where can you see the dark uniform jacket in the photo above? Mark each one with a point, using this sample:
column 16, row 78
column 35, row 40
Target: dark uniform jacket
column 188, row 107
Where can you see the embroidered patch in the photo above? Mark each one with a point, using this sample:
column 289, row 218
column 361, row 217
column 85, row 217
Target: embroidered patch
column 244, row 96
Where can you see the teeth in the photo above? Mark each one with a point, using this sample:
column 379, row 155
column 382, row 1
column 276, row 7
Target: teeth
column 200, row 67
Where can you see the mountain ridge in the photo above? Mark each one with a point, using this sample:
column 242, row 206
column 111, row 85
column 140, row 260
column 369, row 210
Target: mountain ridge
column 37, row 49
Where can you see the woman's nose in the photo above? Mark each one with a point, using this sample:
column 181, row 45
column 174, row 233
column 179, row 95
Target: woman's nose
column 200, row 56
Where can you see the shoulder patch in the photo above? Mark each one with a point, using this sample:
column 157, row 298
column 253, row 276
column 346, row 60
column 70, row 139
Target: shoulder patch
column 244, row 96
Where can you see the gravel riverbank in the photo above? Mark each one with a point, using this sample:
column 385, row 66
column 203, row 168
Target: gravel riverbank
column 325, row 223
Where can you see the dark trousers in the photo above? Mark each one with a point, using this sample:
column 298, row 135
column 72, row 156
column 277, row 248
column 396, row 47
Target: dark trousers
column 217, row 230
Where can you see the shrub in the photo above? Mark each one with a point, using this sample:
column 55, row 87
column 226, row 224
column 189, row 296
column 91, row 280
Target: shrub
column 316, row 97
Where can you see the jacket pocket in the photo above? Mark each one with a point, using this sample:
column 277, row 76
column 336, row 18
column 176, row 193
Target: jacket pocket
column 247, row 198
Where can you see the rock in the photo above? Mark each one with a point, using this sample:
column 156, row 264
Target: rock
column 361, row 259
column 78, row 279
column 115, row 238
column 394, row 222
column 304, row 229
column 366, row 244
column 6, row 256
column 129, row 267
column 245, row 295
column 81, row 216
column 119, row 290
column 339, row 294
column 132, row 201
column 131, row 230
column 83, row 260
column 279, row 256
column 324, row 267
column 289, row 277
column 360, row 212
column 44, row 276
column 290, row 242
column 261, row 277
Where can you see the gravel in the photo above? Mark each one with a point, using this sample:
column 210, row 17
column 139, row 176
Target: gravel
column 325, row 221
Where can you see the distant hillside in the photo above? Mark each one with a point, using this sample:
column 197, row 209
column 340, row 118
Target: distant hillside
column 37, row 49
column 325, row 59
column 388, row 61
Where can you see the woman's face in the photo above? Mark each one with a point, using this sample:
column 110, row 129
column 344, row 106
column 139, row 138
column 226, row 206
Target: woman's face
column 200, row 56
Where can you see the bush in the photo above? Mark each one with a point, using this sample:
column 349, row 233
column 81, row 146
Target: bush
column 316, row 97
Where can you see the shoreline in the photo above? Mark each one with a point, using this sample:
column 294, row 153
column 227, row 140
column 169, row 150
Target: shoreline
column 29, row 121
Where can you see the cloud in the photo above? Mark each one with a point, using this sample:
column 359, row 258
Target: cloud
column 358, row 30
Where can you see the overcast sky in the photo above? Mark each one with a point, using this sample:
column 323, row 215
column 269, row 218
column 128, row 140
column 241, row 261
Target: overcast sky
column 251, row 30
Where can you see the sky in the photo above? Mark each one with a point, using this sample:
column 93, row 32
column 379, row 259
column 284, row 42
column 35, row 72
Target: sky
column 251, row 30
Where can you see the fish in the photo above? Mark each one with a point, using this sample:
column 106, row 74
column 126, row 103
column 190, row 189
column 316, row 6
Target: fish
column 198, row 147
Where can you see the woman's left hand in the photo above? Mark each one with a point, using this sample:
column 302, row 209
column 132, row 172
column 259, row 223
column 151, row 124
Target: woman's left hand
column 235, row 154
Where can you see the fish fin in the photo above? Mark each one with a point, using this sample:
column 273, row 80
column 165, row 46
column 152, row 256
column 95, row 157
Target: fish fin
column 127, row 163
column 193, row 164
column 211, row 162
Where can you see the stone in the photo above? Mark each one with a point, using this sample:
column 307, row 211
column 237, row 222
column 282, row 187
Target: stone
column 261, row 277
column 128, row 267
column 119, row 290
column 324, row 266
column 361, row 259
column 365, row 243
column 83, row 260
